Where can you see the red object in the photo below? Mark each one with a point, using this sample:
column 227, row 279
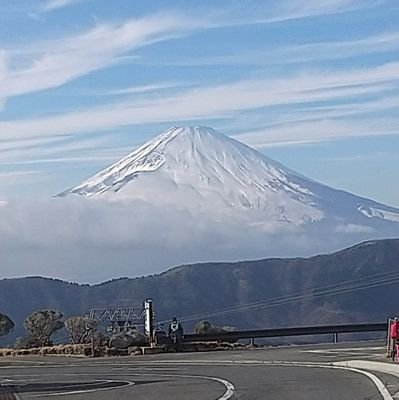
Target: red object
column 395, row 330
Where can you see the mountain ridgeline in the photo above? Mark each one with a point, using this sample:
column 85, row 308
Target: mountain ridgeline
column 358, row 284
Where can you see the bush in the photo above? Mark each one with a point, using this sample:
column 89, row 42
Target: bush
column 26, row 342
column 6, row 324
column 202, row 327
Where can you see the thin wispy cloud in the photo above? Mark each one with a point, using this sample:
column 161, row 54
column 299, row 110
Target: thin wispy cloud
column 42, row 150
column 209, row 102
column 350, row 109
column 51, row 5
column 57, row 62
column 300, row 53
column 143, row 89
column 358, row 158
column 285, row 10
column 21, row 177
column 318, row 131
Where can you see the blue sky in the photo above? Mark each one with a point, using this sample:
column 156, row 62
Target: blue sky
column 313, row 84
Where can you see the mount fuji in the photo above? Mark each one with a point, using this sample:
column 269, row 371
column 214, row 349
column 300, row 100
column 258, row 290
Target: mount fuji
column 203, row 171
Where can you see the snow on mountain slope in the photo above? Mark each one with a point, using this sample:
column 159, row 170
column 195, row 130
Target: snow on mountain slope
column 197, row 168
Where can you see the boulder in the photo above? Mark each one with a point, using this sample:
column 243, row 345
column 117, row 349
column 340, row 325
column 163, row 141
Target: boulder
column 126, row 340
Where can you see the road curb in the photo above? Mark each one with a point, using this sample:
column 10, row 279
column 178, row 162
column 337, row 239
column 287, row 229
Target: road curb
column 383, row 367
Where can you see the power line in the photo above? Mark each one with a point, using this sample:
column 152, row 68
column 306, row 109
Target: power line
column 331, row 286
column 343, row 287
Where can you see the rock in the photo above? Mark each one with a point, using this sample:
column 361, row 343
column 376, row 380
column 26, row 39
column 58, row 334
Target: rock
column 126, row 340
column 133, row 350
column 122, row 352
column 111, row 351
column 153, row 350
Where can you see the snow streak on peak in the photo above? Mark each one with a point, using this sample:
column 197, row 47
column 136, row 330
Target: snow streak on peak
column 197, row 168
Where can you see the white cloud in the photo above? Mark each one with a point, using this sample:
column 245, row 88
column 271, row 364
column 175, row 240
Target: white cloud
column 352, row 228
column 307, row 52
column 253, row 12
column 3, row 74
column 212, row 102
column 13, row 174
column 45, row 150
column 318, row 131
column 13, row 178
column 59, row 61
column 52, row 5
column 144, row 88
column 89, row 240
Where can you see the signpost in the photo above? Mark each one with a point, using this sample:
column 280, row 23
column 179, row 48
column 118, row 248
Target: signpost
column 149, row 321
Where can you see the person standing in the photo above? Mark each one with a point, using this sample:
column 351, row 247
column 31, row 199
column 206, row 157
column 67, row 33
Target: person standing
column 176, row 334
column 394, row 333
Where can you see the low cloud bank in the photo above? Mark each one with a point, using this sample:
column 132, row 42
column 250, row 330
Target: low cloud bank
column 94, row 240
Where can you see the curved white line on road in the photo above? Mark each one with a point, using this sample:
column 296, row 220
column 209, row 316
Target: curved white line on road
column 377, row 382
column 228, row 385
column 83, row 391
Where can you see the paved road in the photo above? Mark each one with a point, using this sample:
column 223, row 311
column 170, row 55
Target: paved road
column 284, row 373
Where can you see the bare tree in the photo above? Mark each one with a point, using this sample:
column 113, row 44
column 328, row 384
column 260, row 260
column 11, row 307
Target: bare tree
column 80, row 329
column 42, row 324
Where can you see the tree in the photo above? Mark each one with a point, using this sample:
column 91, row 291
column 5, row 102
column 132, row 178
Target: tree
column 202, row 327
column 80, row 329
column 41, row 325
column 6, row 324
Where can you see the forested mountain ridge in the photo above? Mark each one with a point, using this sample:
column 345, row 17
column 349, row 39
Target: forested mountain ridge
column 358, row 284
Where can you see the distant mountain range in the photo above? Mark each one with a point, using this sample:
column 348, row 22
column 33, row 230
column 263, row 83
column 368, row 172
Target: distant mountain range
column 358, row 284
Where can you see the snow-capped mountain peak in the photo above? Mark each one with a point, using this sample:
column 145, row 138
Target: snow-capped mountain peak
column 197, row 168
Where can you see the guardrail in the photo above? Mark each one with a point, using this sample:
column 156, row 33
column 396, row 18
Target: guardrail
column 295, row 331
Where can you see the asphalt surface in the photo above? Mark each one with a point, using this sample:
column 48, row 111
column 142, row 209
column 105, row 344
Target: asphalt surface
column 274, row 373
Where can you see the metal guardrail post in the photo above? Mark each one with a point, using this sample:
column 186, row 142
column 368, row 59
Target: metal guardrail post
column 389, row 340
column 335, row 337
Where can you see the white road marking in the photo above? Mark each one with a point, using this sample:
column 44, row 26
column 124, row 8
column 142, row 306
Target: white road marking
column 229, row 392
column 377, row 382
column 128, row 383
column 228, row 385
column 344, row 350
